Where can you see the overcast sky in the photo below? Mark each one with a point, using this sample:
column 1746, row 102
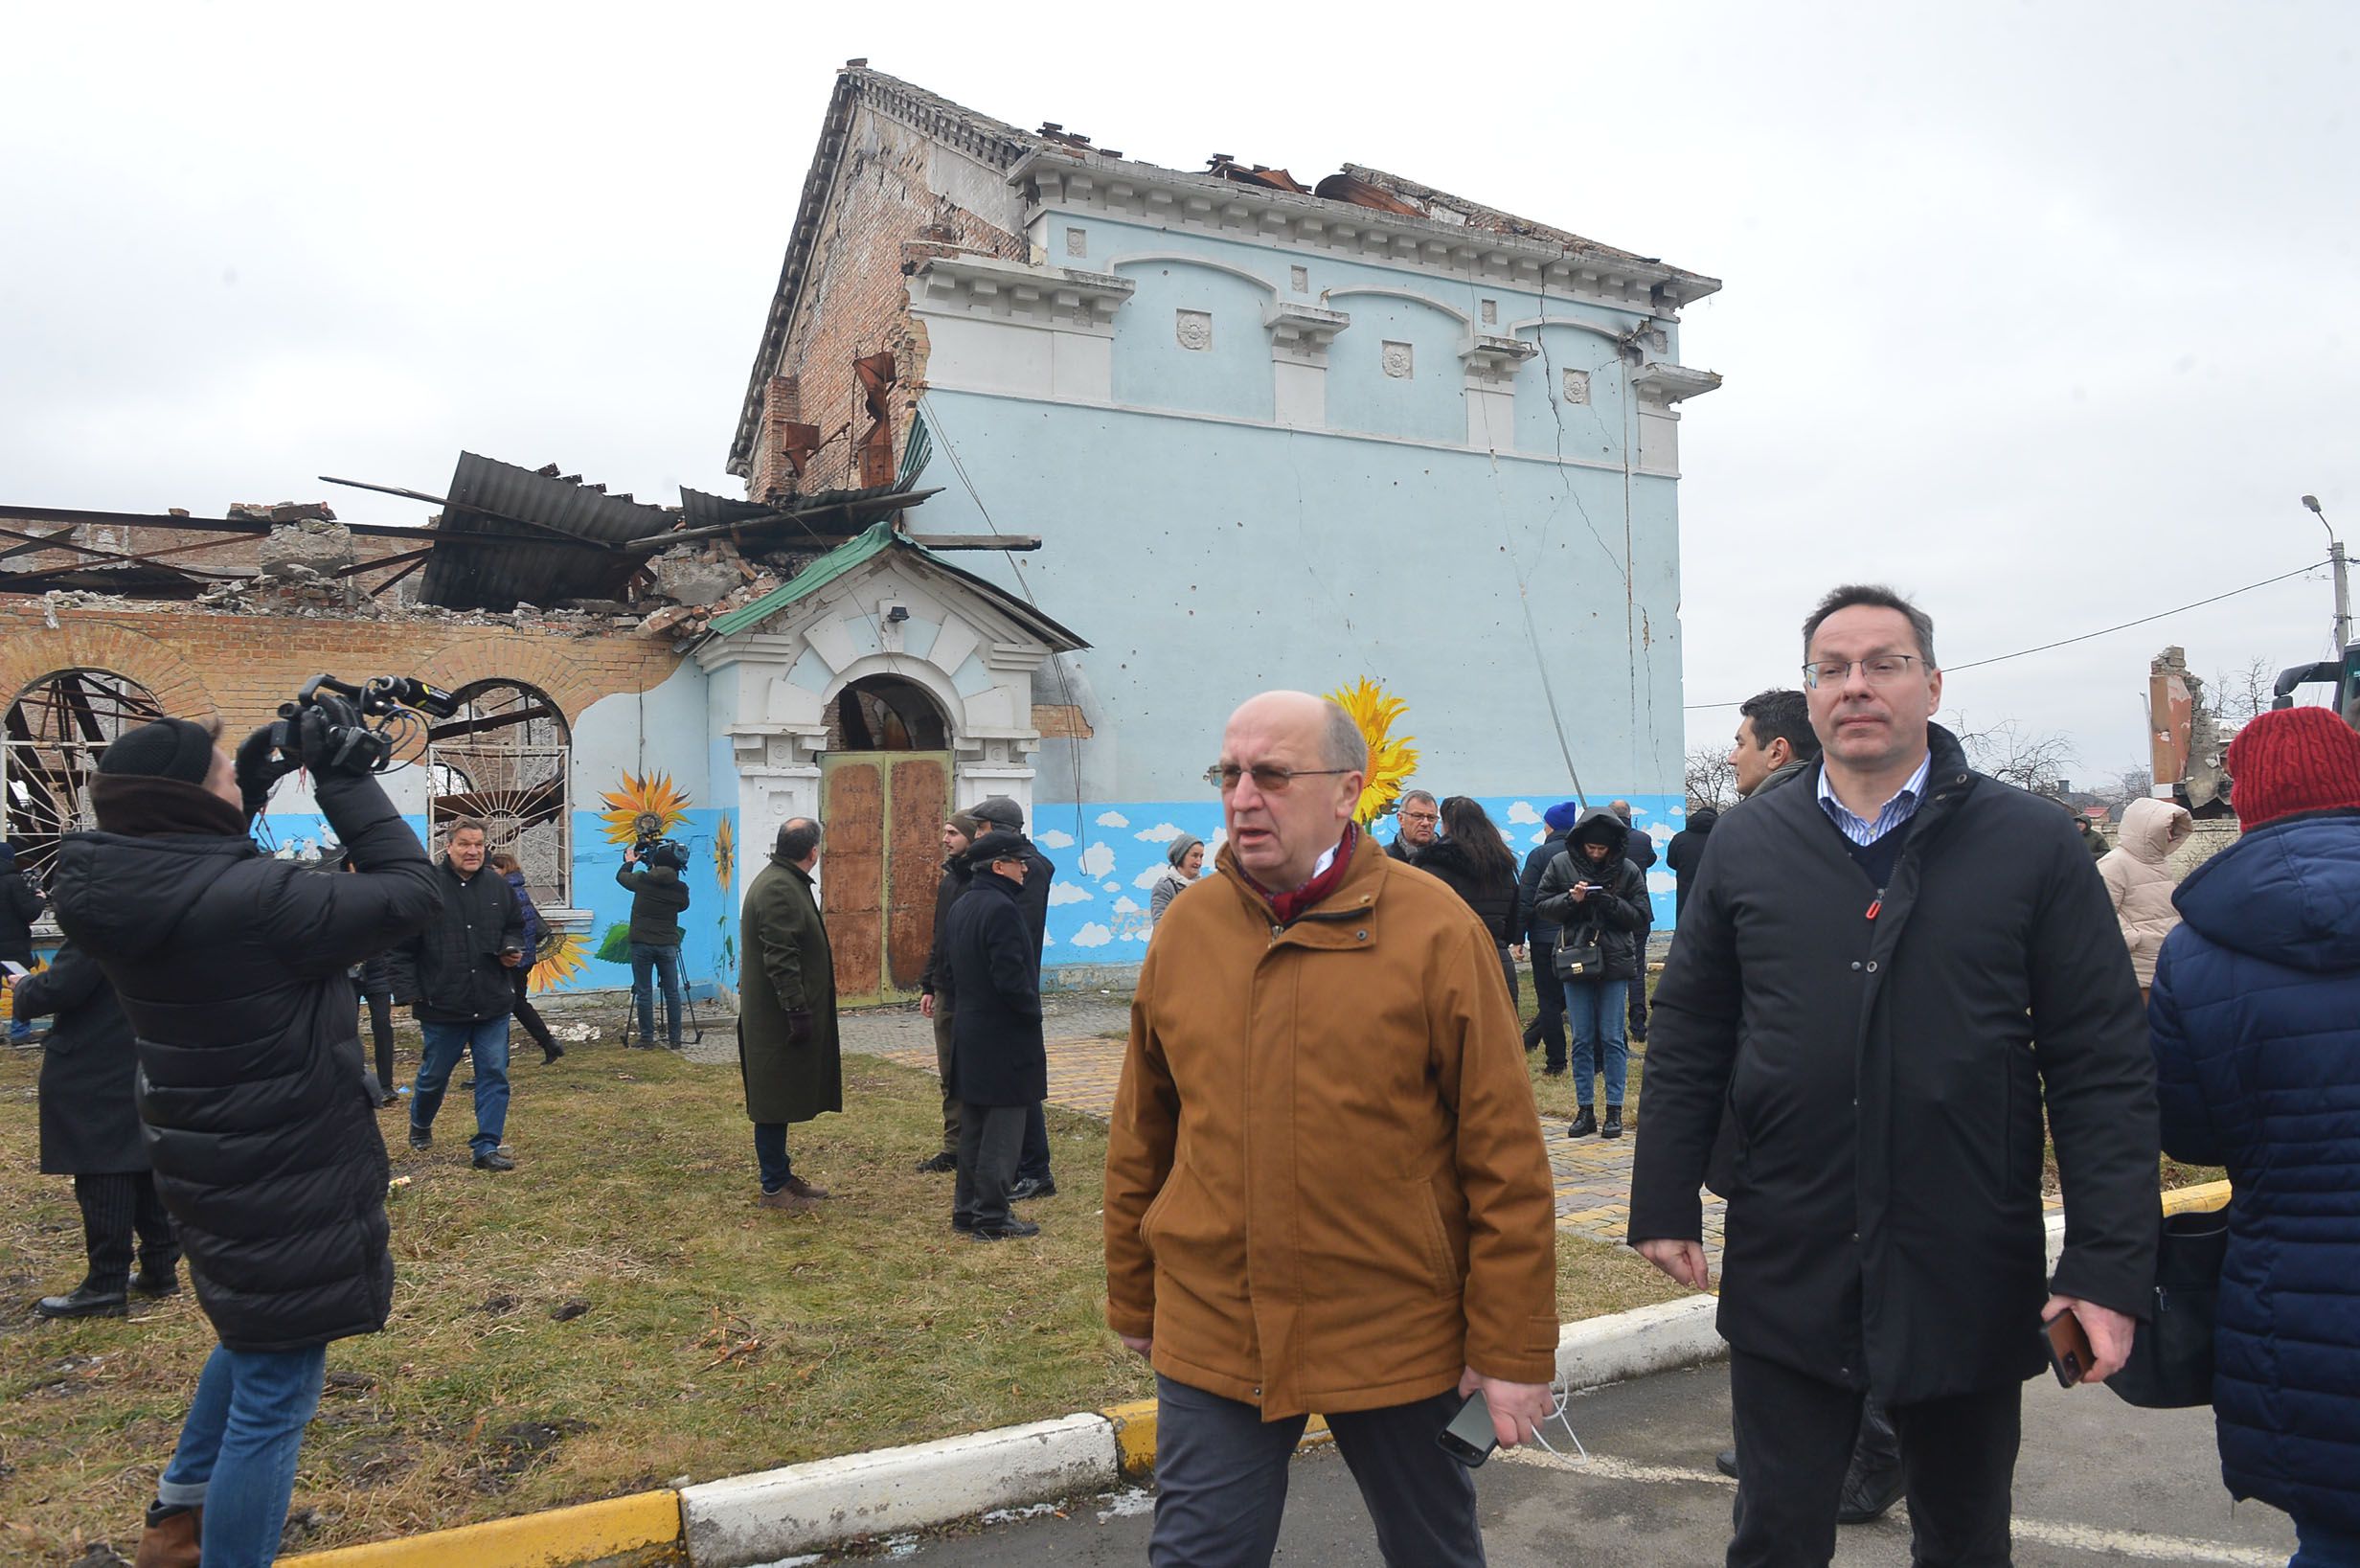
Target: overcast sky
column 2047, row 313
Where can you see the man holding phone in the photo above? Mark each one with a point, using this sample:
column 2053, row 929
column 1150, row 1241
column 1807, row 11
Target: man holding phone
column 1885, row 979
column 1325, row 1187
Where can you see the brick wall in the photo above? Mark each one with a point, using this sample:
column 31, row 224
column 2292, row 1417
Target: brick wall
column 855, row 298
column 240, row 668
column 231, row 555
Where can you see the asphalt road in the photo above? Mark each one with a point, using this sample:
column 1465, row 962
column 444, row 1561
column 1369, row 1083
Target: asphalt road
column 2098, row 1482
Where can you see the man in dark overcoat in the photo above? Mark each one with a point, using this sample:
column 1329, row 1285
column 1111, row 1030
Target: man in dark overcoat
column 786, row 1012
column 936, row 1000
column 999, row 1065
column 1886, row 976
column 90, row 1131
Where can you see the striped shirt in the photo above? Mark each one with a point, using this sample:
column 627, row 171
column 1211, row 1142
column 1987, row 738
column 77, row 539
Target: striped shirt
column 1896, row 811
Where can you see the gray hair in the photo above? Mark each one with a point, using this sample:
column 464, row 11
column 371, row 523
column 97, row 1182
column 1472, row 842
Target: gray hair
column 1409, row 796
column 1343, row 745
column 1877, row 596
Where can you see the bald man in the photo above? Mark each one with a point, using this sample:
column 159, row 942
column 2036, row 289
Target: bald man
column 1336, row 1023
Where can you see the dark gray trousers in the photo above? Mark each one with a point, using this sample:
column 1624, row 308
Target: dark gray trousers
column 116, row 1206
column 988, row 1139
column 1220, row 1478
column 942, row 1065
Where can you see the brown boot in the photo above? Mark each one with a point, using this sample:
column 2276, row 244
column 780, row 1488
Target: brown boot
column 787, row 1200
column 803, row 1189
column 171, row 1537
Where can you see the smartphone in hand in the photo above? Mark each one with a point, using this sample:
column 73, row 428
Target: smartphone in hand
column 1470, row 1436
column 2068, row 1345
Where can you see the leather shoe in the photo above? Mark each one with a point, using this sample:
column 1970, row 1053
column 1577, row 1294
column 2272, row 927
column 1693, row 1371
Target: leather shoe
column 1613, row 1128
column 787, row 1200
column 85, row 1303
column 803, row 1189
column 1583, row 1125
column 962, row 1223
column 172, row 1538
column 1045, row 1186
column 421, row 1139
column 1009, row 1231
column 940, row 1163
column 1726, row 1461
column 163, row 1282
column 492, row 1159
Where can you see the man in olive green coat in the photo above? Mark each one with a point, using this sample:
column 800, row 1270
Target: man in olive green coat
column 786, row 1012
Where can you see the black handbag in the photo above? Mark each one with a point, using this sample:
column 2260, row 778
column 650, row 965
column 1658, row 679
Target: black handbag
column 1584, row 960
column 2170, row 1365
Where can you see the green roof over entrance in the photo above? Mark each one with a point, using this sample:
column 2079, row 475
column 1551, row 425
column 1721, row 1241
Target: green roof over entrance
column 877, row 539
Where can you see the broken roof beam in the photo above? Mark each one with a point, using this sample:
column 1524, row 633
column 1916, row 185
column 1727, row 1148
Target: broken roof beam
column 873, row 507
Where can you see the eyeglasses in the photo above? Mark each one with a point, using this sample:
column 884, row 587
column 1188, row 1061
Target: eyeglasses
column 1881, row 669
column 1422, row 816
column 1268, row 776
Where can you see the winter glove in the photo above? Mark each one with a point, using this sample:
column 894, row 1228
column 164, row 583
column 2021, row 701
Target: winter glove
column 334, row 741
column 798, row 1028
column 259, row 766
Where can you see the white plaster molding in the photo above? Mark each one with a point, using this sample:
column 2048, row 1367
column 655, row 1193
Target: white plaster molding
column 1611, row 334
column 1669, row 383
column 830, row 640
column 1175, row 200
column 1066, row 298
column 1460, row 316
column 1492, row 360
column 1300, row 333
column 1180, row 258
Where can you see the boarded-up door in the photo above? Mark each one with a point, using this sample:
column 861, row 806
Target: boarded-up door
column 883, row 812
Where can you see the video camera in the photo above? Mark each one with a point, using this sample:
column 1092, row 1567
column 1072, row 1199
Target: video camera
column 650, row 844
column 334, row 727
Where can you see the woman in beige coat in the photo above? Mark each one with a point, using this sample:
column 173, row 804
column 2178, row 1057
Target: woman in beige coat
column 2138, row 879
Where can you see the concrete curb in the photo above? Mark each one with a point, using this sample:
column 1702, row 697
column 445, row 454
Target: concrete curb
column 587, row 1533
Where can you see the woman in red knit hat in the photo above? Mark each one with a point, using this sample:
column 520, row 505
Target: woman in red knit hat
column 2256, row 1028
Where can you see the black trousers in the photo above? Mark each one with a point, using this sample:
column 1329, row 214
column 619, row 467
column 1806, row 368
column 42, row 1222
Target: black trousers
column 942, row 1064
column 1639, row 990
column 1033, row 1159
column 116, row 1206
column 381, row 1031
column 523, row 1012
column 1547, row 1028
column 1795, row 1439
column 987, row 1140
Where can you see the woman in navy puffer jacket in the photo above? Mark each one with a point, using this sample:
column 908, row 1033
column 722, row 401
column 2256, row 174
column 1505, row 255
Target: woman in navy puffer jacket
column 2257, row 1020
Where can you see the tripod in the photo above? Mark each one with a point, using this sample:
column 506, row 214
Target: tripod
column 692, row 1027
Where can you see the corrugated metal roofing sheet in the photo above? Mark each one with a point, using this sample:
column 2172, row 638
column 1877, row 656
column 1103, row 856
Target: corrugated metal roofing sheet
column 501, row 497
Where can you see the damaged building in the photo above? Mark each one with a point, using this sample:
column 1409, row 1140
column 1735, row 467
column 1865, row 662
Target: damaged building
column 1050, row 457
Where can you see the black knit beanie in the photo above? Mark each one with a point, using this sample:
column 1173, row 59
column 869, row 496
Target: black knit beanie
column 169, row 748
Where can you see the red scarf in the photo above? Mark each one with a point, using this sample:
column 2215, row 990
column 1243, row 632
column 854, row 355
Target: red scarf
column 1286, row 906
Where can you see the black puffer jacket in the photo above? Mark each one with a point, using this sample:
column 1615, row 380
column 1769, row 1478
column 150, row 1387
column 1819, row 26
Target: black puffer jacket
column 1614, row 917
column 1493, row 900
column 1528, row 888
column 260, row 1117
column 995, row 970
column 1687, row 852
column 936, row 980
column 659, row 898
column 455, row 955
column 89, row 1110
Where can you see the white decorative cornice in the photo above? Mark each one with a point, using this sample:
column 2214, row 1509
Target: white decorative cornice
column 1200, row 203
column 1300, row 333
column 1038, row 296
column 1658, row 383
column 1492, row 361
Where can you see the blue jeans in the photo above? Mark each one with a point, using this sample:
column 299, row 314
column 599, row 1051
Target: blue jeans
column 1594, row 1016
column 664, row 957
column 237, row 1447
column 770, row 1154
column 487, row 1041
column 2318, row 1547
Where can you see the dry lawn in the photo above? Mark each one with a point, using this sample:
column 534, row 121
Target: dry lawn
column 615, row 1316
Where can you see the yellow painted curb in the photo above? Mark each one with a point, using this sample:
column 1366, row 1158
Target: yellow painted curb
column 555, row 1539
column 2211, row 1195
column 1134, row 1426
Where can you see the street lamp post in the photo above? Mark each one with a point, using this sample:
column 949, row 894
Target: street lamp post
column 2343, row 589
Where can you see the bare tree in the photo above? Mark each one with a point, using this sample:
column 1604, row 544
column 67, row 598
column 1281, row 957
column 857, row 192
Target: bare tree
column 2130, row 785
column 2242, row 695
column 1711, row 778
column 2030, row 759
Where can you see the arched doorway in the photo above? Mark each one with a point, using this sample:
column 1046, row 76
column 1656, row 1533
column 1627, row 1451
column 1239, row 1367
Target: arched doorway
column 49, row 748
column 504, row 757
column 884, row 791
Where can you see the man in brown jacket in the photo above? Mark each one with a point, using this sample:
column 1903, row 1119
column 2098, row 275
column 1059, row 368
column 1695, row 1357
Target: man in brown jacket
column 1325, row 1189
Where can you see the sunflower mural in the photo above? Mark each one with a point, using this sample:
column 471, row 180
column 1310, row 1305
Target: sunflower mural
column 643, row 802
column 1391, row 759
column 559, row 958
column 725, row 853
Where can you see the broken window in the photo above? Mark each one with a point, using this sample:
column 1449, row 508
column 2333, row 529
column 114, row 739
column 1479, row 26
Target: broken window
column 503, row 758
column 53, row 732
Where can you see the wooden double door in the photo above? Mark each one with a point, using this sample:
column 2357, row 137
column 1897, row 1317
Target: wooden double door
column 880, row 862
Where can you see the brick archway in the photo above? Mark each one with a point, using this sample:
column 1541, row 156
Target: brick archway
column 505, row 656
column 82, row 644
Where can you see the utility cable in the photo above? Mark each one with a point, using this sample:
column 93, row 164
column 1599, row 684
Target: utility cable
column 2103, row 631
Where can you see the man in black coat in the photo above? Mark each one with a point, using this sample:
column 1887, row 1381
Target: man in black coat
column 90, row 1131
column 257, row 1112
column 999, row 1067
column 936, row 1000
column 464, row 994
column 1548, row 1026
column 1686, row 852
column 1034, row 1178
column 1886, row 977
column 1416, row 817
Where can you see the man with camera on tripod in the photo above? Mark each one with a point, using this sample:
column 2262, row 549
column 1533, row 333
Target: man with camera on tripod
column 258, row 1114
column 650, row 872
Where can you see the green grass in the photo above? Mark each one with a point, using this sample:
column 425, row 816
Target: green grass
column 705, row 1337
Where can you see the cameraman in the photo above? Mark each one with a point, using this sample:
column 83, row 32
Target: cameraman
column 257, row 1111
column 650, row 870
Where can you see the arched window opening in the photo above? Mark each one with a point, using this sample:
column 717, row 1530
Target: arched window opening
column 503, row 759
column 49, row 750
column 885, row 712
